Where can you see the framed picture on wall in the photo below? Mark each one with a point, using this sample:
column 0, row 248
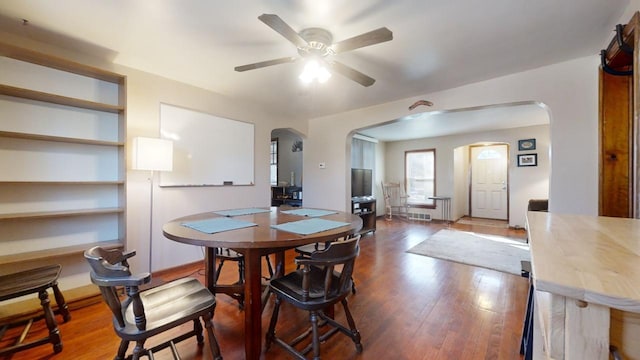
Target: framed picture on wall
column 527, row 159
column 526, row 144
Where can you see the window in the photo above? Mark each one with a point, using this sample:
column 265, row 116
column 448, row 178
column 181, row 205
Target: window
column 420, row 176
column 274, row 162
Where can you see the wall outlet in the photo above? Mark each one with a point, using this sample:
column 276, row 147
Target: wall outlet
column 322, row 165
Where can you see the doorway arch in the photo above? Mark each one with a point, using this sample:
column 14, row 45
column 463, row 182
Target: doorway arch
column 286, row 163
column 503, row 123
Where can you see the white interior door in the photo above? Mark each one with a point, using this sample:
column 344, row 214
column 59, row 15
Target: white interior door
column 489, row 187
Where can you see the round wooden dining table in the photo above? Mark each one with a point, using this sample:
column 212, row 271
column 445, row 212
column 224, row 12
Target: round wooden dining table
column 253, row 242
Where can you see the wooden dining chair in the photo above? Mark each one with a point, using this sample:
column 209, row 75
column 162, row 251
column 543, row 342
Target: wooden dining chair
column 143, row 314
column 223, row 255
column 35, row 281
column 315, row 287
column 307, row 250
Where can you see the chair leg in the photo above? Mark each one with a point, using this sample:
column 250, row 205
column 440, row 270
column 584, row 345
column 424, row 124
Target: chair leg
column 271, row 333
column 122, row 350
column 313, row 317
column 269, row 267
column 355, row 334
column 238, row 297
column 138, row 350
column 197, row 329
column 219, row 269
column 213, row 342
column 63, row 309
column 241, row 271
column 52, row 325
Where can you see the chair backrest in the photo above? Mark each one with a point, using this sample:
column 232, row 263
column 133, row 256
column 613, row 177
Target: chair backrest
column 392, row 193
column 337, row 253
column 109, row 270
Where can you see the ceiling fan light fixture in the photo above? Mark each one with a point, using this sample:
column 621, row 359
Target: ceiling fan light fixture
column 318, row 43
column 314, row 71
column 323, row 75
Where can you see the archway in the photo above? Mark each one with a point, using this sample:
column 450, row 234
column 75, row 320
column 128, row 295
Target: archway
column 448, row 130
column 286, row 165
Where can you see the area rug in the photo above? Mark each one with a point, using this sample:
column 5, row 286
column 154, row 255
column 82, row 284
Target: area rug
column 487, row 251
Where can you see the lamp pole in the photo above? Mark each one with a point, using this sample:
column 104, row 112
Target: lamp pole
column 152, row 154
column 151, row 222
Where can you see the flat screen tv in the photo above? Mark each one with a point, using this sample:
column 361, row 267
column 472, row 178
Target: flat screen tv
column 361, row 182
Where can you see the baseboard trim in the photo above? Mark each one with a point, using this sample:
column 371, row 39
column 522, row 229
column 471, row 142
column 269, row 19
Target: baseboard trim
column 76, row 298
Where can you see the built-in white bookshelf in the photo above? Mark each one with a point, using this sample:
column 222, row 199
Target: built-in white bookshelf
column 62, row 157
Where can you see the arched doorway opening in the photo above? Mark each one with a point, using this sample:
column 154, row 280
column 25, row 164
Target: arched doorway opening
column 286, row 165
column 452, row 133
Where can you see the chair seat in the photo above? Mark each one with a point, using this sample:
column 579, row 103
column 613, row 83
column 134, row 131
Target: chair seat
column 167, row 306
column 28, row 281
column 290, row 287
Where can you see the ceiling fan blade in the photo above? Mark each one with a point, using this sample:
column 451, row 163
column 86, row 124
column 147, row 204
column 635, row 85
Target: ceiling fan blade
column 262, row 64
column 370, row 38
column 351, row 73
column 276, row 23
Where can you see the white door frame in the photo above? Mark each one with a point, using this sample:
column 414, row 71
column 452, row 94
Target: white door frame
column 506, row 167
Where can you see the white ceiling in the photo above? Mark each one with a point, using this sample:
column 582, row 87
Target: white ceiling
column 437, row 44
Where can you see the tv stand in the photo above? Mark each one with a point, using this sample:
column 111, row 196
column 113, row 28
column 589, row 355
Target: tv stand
column 365, row 207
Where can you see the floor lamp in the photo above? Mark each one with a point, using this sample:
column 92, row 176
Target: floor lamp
column 152, row 154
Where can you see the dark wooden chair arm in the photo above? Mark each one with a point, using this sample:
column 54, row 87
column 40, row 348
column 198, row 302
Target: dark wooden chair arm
column 132, row 280
column 116, row 256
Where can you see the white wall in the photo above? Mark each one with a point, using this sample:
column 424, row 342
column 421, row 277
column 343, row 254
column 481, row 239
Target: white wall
column 634, row 5
column 378, row 177
column 452, row 168
column 145, row 92
column 569, row 90
column 460, row 203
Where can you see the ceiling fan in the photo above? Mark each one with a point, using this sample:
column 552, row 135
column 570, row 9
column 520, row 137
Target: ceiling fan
column 318, row 43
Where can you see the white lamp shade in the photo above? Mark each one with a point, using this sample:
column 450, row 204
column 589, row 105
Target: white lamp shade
column 152, row 154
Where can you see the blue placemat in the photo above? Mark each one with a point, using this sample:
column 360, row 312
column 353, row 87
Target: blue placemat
column 238, row 212
column 309, row 226
column 217, row 225
column 309, row 212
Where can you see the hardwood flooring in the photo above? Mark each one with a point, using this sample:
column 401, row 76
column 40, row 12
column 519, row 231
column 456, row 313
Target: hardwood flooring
column 407, row 306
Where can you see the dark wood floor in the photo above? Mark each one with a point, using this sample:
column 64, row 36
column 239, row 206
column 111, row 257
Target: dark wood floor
column 407, row 307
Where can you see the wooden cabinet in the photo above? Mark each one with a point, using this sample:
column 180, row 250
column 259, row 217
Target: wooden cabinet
column 62, row 184
column 618, row 123
column 286, row 195
column 365, row 207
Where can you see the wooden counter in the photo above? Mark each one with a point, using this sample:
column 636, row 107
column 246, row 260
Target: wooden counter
column 582, row 267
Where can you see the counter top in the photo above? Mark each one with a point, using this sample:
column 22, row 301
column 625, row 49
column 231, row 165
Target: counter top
column 591, row 258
